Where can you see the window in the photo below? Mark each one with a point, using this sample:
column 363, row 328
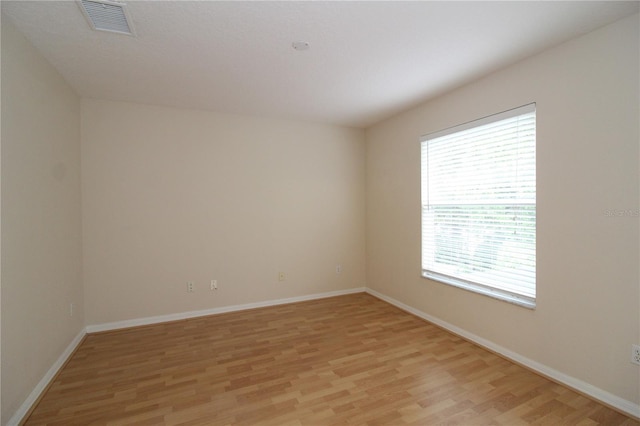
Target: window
column 479, row 206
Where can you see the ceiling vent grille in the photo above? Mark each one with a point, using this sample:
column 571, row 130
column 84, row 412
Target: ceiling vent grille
column 105, row 15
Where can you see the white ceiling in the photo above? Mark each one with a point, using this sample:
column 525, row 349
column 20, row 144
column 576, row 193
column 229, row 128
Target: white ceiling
column 367, row 60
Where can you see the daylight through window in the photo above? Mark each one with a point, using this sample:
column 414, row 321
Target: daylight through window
column 479, row 206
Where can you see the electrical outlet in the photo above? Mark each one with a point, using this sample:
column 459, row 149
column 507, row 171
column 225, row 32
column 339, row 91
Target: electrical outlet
column 635, row 354
column 71, row 309
column 338, row 269
column 190, row 286
column 281, row 276
column 214, row 285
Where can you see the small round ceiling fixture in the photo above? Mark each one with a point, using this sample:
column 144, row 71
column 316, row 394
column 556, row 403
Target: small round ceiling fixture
column 300, row 45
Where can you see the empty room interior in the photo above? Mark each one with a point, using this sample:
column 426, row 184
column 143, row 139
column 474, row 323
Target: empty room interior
column 320, row 212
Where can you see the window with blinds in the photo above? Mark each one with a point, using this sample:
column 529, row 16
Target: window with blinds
column 479, row 206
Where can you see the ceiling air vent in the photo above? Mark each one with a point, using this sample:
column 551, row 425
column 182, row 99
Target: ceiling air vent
column 105, row 15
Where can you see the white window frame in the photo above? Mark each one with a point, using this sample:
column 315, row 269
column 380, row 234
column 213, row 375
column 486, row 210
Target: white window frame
column 523, row 290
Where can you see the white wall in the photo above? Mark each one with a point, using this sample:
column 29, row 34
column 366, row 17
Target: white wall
column 588, row 303
column 171, row 196
column 41, row 222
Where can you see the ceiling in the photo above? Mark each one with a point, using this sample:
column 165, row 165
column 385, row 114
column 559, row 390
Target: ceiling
column 367, row 60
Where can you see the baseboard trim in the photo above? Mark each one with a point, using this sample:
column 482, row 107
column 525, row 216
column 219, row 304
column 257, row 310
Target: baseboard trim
column 194, row 314
column 627, row 407
column 36, row 393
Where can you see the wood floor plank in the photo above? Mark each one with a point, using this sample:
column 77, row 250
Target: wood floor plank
column 339, row 361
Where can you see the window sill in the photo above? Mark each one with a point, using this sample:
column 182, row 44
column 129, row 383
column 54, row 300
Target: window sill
column 523, row 301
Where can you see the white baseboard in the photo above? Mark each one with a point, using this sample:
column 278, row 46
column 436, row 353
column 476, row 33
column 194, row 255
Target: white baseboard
column 193, row 314
column 19, row 415
column 603, row 396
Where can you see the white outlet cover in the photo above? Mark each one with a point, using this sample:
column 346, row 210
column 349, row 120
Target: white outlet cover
column 635, row 354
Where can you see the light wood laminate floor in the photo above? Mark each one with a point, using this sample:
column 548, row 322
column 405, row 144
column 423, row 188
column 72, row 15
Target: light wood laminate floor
column 344, row 360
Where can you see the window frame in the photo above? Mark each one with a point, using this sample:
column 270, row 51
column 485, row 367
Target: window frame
column 462, row 282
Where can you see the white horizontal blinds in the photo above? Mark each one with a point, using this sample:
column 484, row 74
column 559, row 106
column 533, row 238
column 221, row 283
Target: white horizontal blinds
column 479, row 204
